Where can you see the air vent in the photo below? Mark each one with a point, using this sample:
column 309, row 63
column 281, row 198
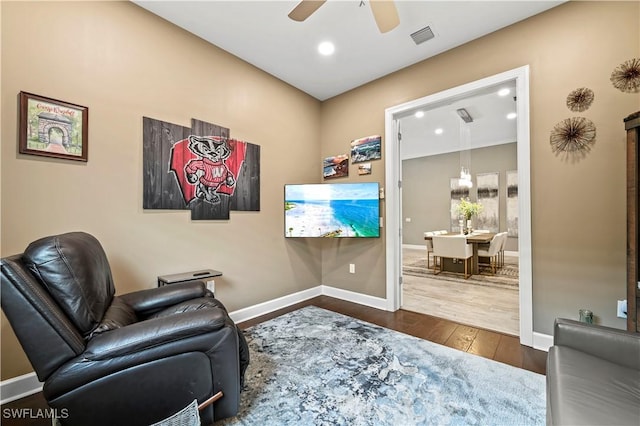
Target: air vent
column 422, row 35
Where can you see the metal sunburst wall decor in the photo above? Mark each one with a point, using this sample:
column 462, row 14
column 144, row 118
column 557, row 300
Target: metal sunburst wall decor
column 626, row 76
column 573, row 137
column 580, row 99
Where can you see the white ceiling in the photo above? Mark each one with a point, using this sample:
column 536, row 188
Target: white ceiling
column 490, row 125
column 260, row 32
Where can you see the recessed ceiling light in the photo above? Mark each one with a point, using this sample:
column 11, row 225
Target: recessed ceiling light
column 419, row 114
column 504, row 92
column 512, row 115
column 326, row 48
column 438, row 131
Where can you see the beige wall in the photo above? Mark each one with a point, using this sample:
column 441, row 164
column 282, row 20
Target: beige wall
column 577, row 44
column 426, row 190
column 125, row 63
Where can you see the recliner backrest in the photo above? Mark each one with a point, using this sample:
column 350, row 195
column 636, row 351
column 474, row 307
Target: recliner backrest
column 74, row 269
column 47, row 336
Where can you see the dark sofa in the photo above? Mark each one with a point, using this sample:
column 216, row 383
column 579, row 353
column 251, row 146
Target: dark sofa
column 593, row 375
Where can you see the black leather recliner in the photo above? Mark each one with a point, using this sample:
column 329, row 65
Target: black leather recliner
column 133, row 359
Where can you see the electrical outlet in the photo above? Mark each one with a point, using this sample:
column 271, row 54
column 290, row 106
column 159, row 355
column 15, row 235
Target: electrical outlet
column 352, row 268
column 622, row 308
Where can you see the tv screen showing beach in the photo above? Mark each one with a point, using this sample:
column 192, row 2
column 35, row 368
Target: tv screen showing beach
column 332, row 210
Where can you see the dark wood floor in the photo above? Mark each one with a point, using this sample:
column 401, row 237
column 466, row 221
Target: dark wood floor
column 488, row 344
column 484, row 343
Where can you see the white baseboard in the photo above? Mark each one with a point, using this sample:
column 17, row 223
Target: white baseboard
column 359, row 298
column 415, row 246
column 322, row 290
column 273, row 305
column 19, row 387
column 542, row 341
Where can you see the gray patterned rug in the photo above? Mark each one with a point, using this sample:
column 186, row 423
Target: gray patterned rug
column 317, row 367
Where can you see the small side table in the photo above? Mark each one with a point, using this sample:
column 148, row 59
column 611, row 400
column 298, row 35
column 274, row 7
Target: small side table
column 203, row 274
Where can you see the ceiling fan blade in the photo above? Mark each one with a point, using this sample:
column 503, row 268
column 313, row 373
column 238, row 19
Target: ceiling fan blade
column 304, row 9
column 385, row 14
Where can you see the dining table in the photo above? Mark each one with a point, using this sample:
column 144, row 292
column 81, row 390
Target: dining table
column 475, row 239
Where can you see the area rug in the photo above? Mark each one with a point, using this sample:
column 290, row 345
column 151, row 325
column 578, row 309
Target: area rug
column 317, row 367
column 414, row 263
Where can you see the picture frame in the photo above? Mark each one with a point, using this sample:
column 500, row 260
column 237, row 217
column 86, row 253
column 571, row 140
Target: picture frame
column 366, row 149
column 53, row 128
column 336, row 166
column 364, row 168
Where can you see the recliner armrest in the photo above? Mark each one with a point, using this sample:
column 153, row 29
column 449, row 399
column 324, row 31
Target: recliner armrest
column 154, row 332
column 612, row 344
column 154, row 299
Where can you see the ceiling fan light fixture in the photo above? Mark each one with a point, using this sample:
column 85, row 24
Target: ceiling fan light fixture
column 422, row 35
column 385, row 14
column 304, row 9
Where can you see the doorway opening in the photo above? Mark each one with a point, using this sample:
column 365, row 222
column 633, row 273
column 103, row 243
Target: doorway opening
column 395, row 123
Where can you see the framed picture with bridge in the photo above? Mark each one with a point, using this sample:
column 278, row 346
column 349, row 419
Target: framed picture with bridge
column 53, row 128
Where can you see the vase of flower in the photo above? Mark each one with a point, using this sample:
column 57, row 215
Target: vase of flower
column 466, row 209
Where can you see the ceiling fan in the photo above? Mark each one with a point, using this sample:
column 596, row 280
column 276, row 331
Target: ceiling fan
column 384, row 12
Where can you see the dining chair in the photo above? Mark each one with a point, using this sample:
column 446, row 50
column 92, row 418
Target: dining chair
column 452, row 247
column 492, row 252
column 503, row 246
column 429, row 245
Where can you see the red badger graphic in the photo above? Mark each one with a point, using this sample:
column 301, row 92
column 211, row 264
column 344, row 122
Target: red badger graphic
column 209, row 170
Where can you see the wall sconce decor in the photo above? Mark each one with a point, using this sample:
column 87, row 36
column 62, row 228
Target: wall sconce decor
column 580, row 99
column 626, row 76
column 573, row 137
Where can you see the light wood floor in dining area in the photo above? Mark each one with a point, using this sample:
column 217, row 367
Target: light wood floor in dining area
column 491, row 308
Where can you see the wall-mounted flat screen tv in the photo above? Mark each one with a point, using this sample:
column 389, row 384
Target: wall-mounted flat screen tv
column 332, row 210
